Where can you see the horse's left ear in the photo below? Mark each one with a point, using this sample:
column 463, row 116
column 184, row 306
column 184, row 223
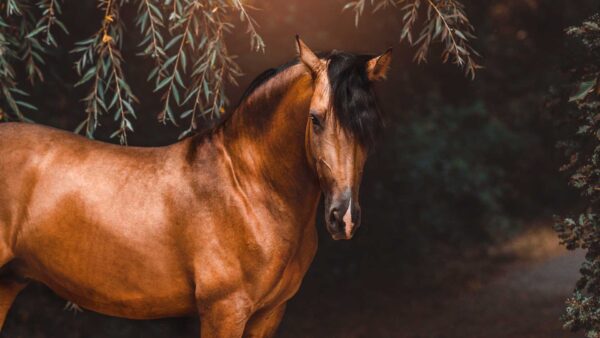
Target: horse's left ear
column 378, row 66
column 307, row 56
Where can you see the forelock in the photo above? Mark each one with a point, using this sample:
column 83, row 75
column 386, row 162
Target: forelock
column 353, row 100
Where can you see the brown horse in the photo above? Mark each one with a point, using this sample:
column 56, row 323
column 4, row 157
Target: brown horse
column 220, row 224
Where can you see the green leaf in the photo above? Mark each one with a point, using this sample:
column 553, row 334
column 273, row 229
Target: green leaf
column 80, row 127
column 163, row 83
column 173, row 41
column 583, row 90
column 26, row 105
column 176, row 95
column 152, row 73
column 186, row 113
column 35, row 32
column 88, row 75
column 179, row 80
column 128, row 107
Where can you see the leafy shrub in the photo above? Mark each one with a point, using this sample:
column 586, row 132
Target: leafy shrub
column 452, row 169
column 583, row 153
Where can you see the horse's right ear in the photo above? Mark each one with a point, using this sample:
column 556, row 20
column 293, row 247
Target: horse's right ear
column 307, row 56
column 378, row 67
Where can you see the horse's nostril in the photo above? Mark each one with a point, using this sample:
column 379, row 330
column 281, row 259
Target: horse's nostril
column 334, row 215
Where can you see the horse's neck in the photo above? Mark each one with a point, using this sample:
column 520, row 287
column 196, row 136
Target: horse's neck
column 265, row 139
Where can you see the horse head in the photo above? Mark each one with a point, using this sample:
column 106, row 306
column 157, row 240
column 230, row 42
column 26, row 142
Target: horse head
column 343, row 122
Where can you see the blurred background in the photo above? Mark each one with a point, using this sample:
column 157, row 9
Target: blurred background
column 457, row 199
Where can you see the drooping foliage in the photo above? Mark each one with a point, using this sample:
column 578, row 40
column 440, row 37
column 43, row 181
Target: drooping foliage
column 184, row 38
column 23, row 37
column 583, row 153
column 442, row 21
column 186, row 41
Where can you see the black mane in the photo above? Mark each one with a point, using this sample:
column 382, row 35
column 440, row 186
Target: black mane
column 354, row 101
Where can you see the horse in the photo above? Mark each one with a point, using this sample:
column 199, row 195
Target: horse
column 220, row 224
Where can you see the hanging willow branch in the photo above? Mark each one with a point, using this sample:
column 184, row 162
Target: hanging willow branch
column 15, row 48
column 211, row 70
column 31, row 50
column 150, row 22
column 198, row 30
column 444, row 22
column 177, row 63
column 256, row 41
column 100, row 66
column 24, row 39
column 51, row 9
column 184, row 38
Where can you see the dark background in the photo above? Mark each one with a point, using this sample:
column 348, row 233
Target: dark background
column 463, row 166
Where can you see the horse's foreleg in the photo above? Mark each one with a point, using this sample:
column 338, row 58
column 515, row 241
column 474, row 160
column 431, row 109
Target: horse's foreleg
column 264, row 323
column 225, row 318
column 9, row 285
column 9, row 289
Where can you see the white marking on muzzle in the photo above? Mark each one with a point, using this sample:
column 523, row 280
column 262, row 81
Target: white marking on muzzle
column 348, row 220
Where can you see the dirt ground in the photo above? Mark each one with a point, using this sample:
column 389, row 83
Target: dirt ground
column 519, row 295
column 523, row 299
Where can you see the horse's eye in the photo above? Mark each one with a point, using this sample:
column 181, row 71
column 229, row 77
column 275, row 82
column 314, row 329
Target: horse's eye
column 315, row 120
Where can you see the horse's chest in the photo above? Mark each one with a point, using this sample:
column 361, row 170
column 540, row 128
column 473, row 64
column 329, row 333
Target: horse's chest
column 285, row 283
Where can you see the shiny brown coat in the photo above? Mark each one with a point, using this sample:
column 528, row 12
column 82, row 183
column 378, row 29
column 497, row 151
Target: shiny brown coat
column 220, row 225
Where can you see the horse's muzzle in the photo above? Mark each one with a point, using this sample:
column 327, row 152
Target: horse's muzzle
column 342, row 218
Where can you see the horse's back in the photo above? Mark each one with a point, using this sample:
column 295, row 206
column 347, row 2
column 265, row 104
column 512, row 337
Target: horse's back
column 37, row 161
column 33, row 140
column 91, row 214
column 27, row 136
column 21, row 143
column 24, row 146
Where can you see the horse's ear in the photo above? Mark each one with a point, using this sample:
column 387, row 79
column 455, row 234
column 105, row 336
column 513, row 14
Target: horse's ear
column 307, row 56
column 378, row 66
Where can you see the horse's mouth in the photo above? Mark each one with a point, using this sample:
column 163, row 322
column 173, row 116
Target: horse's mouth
column 341, row 232
column 338, row 236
